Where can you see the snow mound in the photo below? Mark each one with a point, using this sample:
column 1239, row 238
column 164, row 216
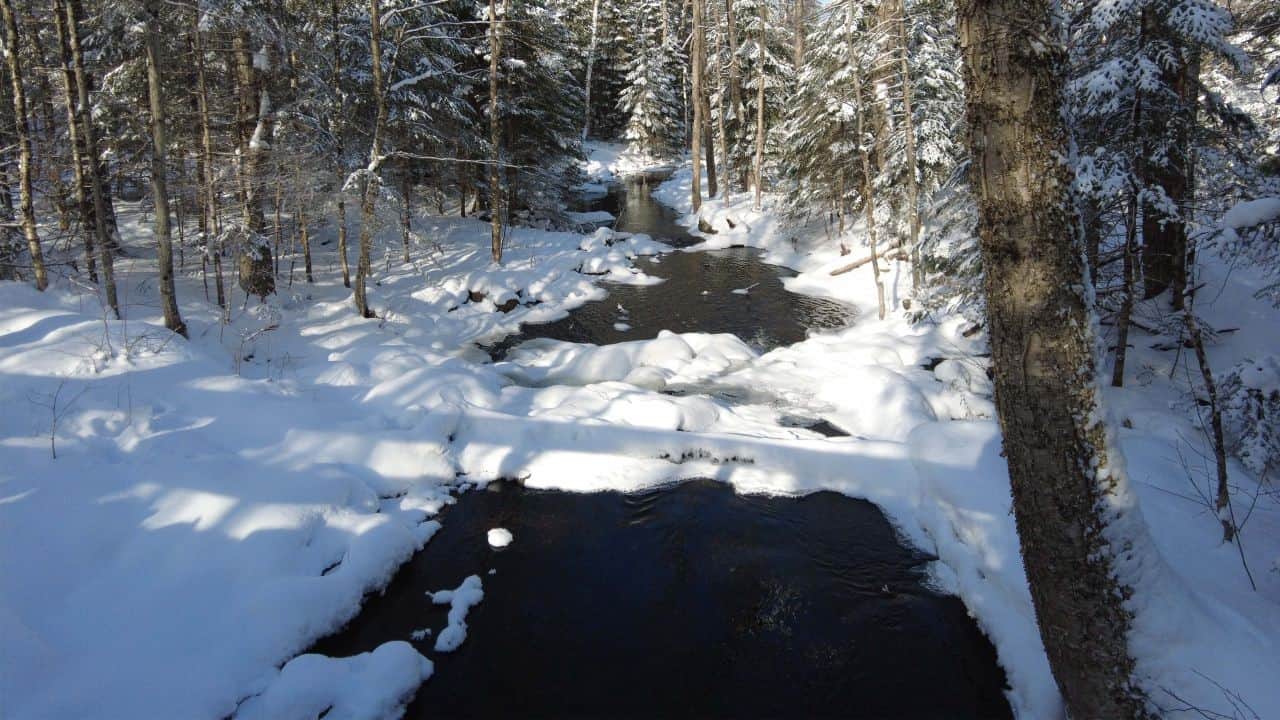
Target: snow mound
column 500, row 537
column 371, row 686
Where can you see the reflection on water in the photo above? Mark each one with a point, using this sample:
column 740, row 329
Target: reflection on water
column 684, row 601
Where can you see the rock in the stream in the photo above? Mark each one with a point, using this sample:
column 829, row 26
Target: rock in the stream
column 705, row 227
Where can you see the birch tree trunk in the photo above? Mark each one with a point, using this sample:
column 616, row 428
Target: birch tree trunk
column 26, row 206
column 495, row 137
column 159, row 185
column 1065, row 476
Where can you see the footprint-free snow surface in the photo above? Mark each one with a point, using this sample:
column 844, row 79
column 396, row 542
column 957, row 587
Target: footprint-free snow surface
column 685, row 600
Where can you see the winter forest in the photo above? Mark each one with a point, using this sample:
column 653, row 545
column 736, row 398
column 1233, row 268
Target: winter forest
column 372, row 359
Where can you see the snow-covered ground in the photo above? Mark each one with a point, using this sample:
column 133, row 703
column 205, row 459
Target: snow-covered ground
column 217, row 505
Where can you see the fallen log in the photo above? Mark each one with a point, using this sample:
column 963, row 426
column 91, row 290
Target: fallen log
column 895, row 254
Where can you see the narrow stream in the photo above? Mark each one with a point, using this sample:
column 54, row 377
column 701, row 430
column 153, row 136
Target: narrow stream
column 686, row 601
column 698, row 294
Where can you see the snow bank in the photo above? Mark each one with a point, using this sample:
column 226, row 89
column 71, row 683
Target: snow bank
column 372, row 686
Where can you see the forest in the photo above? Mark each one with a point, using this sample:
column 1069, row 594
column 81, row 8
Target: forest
column 718, row 358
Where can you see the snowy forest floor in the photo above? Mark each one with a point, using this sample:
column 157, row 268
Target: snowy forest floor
column 218, row 504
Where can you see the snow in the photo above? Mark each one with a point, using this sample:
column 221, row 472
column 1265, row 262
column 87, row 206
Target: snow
column 499, row 537
column 371, row 686
column 460, row 600
column 235, row 497
column 1249, row 213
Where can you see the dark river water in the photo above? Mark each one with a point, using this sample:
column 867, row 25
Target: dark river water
column 698, row 295
column 685, row 601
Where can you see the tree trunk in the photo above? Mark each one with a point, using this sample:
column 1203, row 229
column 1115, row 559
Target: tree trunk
column 868, row 175
column 735, row 88
column 1064, row 474
column 699, row 119
column 74, row 139
column 159, row 187
column 336, row 128
column 368, row 203
column 1164, row 237
column 591, row 62
column 26, row 207
column 206, row 176
column 720, row 110
column 103, row 219
column 913, row 161
column 495, row 137
column 304, row 232
column 759, row 168
column 406, row 217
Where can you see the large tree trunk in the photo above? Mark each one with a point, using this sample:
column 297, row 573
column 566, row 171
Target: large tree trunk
column 1164, row 238
column 159, row 186
column 103, row 220
column 699, row 118
column 1065, row 476
column 26, row 207
column 368, row 203
column 495, row 137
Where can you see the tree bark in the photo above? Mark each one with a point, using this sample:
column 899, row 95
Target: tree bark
column 1065, row 476
column 368, row 203
column 868, row 176
column 913, row 160
column 763, row 40
column 206, row 179
column 103, row 217
column 699, row 120
column 75, row 140
column 406, row 216
column 26, row 206
column 735, row 88
column 495, row 137
column 591, row 63
column 159, row 186
column 800, row 9
column 336, row 128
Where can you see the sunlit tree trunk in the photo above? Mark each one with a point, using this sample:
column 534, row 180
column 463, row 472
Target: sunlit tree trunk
column 335, row 127
column 26, row 207
column 1067, row 479
column 913, row 160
